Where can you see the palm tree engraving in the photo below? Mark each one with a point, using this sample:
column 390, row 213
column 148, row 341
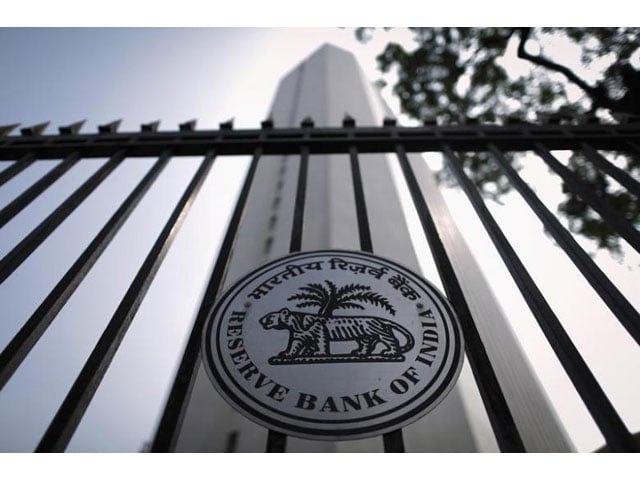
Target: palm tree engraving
column 330, row 298
column 311, row 334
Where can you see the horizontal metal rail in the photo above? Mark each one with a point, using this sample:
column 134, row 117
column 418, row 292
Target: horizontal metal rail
column 324, row 140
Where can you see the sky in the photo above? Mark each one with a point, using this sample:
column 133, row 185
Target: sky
column 174, row 75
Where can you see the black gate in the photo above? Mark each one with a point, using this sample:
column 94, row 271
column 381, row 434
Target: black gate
column 72, row 147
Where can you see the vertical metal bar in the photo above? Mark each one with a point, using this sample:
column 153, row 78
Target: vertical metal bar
column 32, row 330
column 69, row 414
column 26, row 197
column 12, row 260
column 607, row 419
column 17, row 167
column 616, row 302
column 502, row 422
column 393, row 441
column 166, row 434
column 622, row 177
column 361, row 207
column 276, row 441
column 298, row 212
column 608, row 214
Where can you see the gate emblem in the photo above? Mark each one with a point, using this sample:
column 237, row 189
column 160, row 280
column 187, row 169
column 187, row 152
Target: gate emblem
column 310, row 335
column 332, row 345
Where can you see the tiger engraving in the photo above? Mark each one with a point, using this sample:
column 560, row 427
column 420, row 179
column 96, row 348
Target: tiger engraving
column 310, row 335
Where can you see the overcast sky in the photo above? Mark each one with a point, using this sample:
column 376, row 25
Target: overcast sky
column 173, row 75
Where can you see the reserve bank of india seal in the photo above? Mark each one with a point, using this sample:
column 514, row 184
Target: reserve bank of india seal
column 333, row 345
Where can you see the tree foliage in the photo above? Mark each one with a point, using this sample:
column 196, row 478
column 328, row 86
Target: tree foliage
column 469, row 75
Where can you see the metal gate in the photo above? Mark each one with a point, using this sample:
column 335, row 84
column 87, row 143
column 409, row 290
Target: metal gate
column 72, row 147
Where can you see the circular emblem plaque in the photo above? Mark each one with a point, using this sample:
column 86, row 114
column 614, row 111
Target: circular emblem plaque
column 333, row 345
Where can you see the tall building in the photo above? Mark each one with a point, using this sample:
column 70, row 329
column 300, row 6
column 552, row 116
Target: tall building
column 325, row 87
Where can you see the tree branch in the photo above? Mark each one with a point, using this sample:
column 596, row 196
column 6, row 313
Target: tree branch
column 596, row 94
